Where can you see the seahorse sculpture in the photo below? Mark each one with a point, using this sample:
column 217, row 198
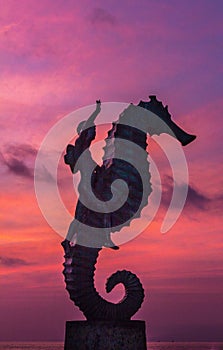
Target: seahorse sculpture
column 80, row 259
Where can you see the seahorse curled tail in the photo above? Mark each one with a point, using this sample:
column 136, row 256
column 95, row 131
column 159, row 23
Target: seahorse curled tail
column 79, row 268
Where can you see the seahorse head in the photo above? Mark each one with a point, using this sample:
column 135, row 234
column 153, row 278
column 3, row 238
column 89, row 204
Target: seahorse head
column 163, row 123
column 153, row 118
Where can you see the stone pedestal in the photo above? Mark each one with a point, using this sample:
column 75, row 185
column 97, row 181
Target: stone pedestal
column 102, row 335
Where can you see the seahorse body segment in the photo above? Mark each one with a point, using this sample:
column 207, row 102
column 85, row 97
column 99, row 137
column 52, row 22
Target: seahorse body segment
column 79, row 268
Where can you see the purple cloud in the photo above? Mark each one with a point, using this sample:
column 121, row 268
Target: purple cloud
column 195, row 197
column 101, row 16
column 12, row 262
column 17, row 157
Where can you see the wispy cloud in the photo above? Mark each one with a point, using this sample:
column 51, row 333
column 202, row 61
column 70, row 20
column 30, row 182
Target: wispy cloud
column 21, row 150
column 44, row 174
column 101, row 16
column 12, row 262
column 6, row 28
column 195, row 197
column 18, row 167
column 16, row 158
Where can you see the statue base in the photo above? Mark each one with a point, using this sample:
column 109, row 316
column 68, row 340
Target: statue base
column 101, row 335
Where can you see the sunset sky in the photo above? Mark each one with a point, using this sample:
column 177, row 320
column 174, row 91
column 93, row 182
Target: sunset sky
column 58, row 56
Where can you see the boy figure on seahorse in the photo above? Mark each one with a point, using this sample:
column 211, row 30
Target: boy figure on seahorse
column 99, row 191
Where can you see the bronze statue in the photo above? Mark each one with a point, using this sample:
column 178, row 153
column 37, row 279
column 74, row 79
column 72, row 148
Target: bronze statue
column 81, row 257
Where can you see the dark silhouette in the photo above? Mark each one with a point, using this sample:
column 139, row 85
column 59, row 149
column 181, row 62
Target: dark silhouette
column 81, row 258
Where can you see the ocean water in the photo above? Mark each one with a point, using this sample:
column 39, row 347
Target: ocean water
column 184, row 346
column 150, row 346
column 31, row 346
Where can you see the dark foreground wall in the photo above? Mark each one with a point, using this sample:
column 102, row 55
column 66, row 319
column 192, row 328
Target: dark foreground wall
column 102, row 335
